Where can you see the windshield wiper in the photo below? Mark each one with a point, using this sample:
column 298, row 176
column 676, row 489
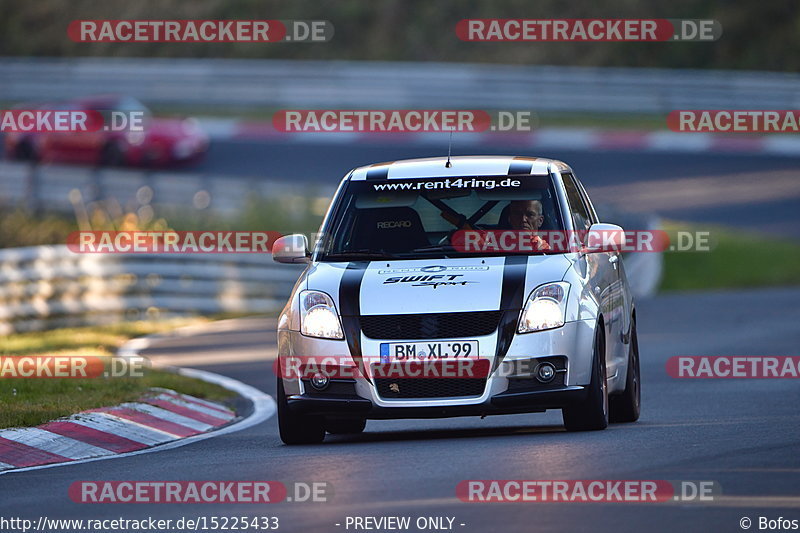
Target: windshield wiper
column 433, row 248
column 428, row 250
column 356, row 255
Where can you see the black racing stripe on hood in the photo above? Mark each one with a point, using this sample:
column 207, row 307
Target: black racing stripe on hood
column 520, row 167
column 512, row 299
column 350, row 309
column 378, row 173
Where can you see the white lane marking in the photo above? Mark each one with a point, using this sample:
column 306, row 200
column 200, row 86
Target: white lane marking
column 781, row 144
column 190, row 404
column 167, row 415
column 671, row 141
column 4, row 466
column 219, row 128
column 53, row 443
column 202, row 358
column 557, row 138
column 122, row 427
column 263, row 408
column 701, row 191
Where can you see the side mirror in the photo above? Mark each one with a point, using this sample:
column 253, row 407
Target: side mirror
column 291, row 249
column 604, row 238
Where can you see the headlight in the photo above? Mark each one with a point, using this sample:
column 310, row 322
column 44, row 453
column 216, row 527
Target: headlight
column 545, row 309
column 136, row 138
column 318, row 317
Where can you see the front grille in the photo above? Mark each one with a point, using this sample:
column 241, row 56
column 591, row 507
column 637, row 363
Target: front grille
column 429, row 387
column 431, row 325
column 430, row 379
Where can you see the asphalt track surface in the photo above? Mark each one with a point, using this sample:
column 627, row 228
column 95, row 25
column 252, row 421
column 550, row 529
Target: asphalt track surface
column 652, row 173
column 742, row 434
column 777, row 212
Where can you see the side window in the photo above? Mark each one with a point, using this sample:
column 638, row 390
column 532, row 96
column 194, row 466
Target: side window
column 581, row 218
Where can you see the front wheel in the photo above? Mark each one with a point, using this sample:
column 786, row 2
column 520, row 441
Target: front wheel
column 25, row 151
column 592, row 413
column 112, row 155
column 625, row 407
column 296, row 428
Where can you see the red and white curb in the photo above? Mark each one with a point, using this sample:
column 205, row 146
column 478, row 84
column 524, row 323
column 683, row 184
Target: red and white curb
column 161, row 421
column 544, row 138
column 163, row 417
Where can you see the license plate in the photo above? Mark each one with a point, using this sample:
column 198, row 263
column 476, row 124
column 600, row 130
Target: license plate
column 428, row 351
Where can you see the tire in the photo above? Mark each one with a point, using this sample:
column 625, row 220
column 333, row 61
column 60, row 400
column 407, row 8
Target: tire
column 625, row 407
column 592, row 413
column 112, row 155
column 296, row 428
column 25, row 151
column 345, row 426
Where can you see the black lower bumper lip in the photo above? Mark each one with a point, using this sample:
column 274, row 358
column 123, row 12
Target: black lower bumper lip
column 329, row 404
column 550, row 399
column 503, row 403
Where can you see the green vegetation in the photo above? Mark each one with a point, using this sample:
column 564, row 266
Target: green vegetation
column 102, row 339
column 737, row 260
column 755, row 36
column 29, row 402
column 287, row 214
column 19, row 227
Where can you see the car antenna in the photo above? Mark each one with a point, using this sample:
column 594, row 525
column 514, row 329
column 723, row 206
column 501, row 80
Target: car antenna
column 448, row 164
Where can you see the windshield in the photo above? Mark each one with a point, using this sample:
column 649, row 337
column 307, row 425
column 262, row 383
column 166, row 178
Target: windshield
column 422, row 218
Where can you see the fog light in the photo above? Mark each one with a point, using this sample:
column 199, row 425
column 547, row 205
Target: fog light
column 319, row 381
column 545, row 372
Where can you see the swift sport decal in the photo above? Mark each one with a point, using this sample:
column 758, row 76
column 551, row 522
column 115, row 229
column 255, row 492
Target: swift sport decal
column 432, row 280
column 461, row 284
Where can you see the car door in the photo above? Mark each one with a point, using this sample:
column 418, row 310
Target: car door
column 624, row 303
column 602, row 272
column 75, row 145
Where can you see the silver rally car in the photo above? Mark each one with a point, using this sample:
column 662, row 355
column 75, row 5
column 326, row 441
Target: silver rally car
column 468, row 286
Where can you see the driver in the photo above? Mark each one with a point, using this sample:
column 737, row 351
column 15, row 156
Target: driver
column 526, row 215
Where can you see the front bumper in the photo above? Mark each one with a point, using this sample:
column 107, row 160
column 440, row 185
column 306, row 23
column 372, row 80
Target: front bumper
column 502, row 393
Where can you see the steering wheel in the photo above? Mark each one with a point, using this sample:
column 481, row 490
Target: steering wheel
column 448, row 239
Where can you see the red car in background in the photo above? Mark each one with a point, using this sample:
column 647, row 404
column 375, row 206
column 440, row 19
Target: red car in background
column 161, row 142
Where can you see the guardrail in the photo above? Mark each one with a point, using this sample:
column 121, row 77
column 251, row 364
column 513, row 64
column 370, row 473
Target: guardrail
column 373, row 84
column 43, row 287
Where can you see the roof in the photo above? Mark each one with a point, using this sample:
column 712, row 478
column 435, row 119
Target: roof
column 475, row 165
